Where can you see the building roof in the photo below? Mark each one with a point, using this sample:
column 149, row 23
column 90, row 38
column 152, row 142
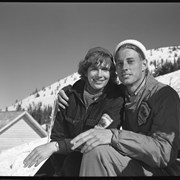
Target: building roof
column 8, row 118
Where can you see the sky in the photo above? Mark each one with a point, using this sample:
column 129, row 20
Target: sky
column 41, row 43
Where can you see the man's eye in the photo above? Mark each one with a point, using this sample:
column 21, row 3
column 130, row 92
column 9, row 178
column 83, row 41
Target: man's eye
column 130, row 62
column 119, row 64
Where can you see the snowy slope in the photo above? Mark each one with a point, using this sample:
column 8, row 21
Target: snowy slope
column 160, row 55
column 172, row 79
column 47, row 95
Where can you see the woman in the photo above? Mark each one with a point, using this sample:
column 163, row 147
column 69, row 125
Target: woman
column 90, row 100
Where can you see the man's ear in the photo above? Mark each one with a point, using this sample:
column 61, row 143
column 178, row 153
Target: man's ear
column 144, row 64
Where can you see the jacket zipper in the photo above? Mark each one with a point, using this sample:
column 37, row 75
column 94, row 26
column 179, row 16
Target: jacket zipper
column 86, row 111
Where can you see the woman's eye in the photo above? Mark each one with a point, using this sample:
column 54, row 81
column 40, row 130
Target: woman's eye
column 105, row 69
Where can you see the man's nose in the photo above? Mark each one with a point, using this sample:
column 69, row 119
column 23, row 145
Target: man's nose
column 125, row 66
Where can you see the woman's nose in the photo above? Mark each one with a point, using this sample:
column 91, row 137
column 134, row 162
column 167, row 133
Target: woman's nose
column 100, row 72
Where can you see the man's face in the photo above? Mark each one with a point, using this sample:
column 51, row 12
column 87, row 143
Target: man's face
column 129, row 67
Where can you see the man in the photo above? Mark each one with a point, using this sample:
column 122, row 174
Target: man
column 148, row 143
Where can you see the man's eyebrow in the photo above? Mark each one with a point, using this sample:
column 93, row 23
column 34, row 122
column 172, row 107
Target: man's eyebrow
column 129, row 58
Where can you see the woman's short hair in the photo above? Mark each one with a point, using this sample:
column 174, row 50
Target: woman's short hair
column 95, row 57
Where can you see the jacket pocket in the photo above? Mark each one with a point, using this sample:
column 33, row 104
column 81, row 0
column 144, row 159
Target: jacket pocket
column 74, row 126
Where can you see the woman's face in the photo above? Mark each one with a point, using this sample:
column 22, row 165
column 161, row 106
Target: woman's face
column 98, row 76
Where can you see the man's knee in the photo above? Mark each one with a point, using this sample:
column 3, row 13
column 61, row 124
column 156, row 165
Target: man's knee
column 96, row 153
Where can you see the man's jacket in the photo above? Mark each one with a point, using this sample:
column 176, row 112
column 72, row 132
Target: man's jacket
column 150, row 125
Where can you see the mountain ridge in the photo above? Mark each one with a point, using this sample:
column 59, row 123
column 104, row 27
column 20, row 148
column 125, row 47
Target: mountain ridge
column 47, row 95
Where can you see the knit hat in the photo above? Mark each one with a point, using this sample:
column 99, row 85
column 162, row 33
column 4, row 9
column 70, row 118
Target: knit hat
column 133, row 42
column 98, row 49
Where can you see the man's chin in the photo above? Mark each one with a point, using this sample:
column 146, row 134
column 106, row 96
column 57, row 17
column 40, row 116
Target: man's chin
column 126, row 82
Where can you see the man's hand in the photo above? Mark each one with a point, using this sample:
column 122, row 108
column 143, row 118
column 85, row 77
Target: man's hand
column 92, row 138
column 39, row 154
column 62, row 99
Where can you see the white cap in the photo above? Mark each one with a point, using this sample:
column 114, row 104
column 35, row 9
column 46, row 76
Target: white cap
column 133, row 42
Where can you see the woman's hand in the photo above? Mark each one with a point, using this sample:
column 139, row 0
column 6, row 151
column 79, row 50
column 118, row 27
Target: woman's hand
column 40, row 154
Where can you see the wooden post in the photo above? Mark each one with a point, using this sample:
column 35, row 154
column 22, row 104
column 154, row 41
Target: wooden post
column 53, row 115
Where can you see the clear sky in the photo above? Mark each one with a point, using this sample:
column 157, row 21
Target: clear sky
column 41, row 43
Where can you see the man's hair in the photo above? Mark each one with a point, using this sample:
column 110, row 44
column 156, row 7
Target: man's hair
column 135, row 48
column 97, row 58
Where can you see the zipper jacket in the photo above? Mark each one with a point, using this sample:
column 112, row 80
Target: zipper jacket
column 76, row 118
column 150, row 130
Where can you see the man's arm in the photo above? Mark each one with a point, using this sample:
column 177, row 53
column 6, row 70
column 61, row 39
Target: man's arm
column 63, row 98
column 157, row 147
column 91, row 138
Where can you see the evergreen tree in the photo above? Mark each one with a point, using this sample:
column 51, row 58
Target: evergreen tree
column 42, row 116
column 167, row 67
column 18, row 108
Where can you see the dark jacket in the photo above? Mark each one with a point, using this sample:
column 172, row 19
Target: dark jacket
column 151, row 126
column 76, row 118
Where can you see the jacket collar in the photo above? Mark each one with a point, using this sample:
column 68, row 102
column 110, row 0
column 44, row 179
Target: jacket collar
column 150, row 82
column 78, row 89
column 147, row 84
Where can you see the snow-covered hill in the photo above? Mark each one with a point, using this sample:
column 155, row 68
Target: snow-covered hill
column 159, row 56
column 45, row 96
column 156, row 58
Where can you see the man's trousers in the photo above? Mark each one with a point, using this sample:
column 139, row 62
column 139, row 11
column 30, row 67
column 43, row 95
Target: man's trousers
column 104, row 160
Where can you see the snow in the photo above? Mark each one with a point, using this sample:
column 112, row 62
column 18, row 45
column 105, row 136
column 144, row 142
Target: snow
column 171, row 79
column 11, row 160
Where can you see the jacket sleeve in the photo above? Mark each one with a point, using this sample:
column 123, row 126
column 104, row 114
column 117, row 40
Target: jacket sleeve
column 66, row 88
column 59, row 131
column 159, row 147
